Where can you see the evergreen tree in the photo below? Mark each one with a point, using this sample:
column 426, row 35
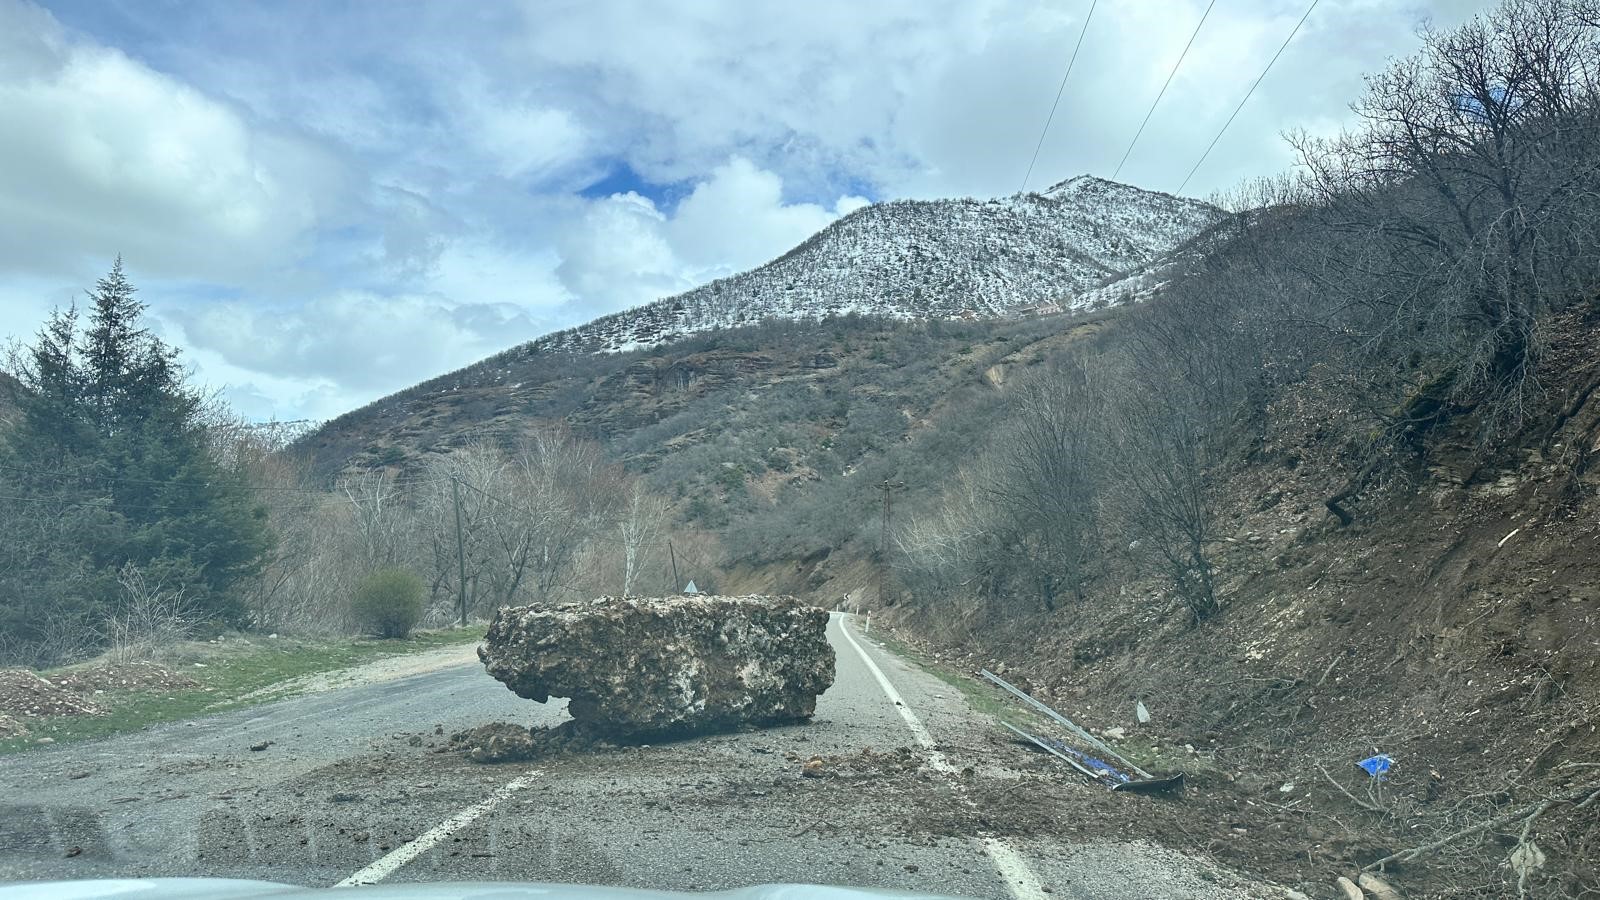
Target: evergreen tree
column 110, row 464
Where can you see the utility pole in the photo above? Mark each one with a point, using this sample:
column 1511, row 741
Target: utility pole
column 677, row 586
column 888, row 487
column 461, row 551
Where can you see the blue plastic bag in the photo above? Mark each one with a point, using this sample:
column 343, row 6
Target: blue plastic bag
column 1377, row 765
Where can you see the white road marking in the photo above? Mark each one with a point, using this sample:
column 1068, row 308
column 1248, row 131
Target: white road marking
column 1015, row 873
column 389, row 864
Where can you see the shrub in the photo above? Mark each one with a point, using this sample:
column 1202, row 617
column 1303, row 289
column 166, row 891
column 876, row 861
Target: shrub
column 388, row 603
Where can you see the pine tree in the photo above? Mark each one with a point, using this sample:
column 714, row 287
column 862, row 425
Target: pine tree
column 113, row 441
column 112, row 348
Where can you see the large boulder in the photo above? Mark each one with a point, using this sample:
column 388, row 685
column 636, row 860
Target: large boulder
column 640, row 667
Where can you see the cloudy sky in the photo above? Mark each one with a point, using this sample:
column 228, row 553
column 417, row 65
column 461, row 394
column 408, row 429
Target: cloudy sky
column 327, row 200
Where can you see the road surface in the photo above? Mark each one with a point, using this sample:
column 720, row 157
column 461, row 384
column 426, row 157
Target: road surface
column 361, row 784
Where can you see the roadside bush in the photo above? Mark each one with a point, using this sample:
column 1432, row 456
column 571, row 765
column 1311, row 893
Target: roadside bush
column 388, row 603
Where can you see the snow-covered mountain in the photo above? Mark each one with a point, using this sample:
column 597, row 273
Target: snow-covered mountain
column 925, row 259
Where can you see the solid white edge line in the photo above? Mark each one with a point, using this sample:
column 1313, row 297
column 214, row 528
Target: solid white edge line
column 389, row 864
column 1015, row 873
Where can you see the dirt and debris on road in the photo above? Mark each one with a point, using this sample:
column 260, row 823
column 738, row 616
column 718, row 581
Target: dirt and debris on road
column 501, row 742
column 654, row 813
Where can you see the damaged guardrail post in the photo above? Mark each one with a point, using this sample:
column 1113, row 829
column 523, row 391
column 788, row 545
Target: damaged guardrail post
column 1065, row 722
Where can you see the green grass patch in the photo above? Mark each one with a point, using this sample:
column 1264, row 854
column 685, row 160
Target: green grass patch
column 982, row 696
column 232, row 673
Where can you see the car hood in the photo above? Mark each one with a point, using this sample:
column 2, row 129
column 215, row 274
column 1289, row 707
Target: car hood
column 234, row 889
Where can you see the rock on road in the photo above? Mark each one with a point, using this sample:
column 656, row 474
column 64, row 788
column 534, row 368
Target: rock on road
column 351, row 777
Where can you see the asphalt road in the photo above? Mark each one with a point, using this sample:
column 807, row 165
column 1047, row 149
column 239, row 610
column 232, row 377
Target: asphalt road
column 357, row 782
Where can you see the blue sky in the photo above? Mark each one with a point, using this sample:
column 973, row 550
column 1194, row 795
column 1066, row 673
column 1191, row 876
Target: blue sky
column 324, row 202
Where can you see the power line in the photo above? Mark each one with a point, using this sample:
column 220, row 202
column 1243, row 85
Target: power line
column 1247, row 95
column 1071, row 61
column 1163, row 92
column 108, row 505
column 119, row 479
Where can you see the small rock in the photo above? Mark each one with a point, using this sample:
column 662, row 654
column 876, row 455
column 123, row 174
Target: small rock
column 1116, row 734
column 257, row 748
column 813, row 768
column 45, row 741
column 913, row 868
column 1376, row 887
column 75, row 851
column 1348, row 889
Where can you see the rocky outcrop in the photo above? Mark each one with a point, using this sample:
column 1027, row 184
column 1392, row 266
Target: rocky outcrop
column 666, row 666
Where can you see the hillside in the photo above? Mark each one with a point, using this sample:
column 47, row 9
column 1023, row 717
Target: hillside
column 753, row 397
column 1452, row 627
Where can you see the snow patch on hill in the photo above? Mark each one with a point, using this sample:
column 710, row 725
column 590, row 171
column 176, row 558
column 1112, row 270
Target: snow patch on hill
column 1069, row 247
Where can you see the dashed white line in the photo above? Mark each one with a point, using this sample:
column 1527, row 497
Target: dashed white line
column 389, row 864
column 1014, row 871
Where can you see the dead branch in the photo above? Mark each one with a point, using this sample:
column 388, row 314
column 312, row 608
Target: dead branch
column 1587, row 794
column 1353, row 798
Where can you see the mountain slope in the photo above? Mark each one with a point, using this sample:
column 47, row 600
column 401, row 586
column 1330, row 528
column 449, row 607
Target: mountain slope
column 1085, row 243
column 927, row 259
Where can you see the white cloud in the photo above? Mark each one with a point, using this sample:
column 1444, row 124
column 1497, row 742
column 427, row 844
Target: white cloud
column 366, row 345
column 624, row 251
column 617, row 255
column 528, row 140
column 481, row 271
column 736, row 219
column 103, row 155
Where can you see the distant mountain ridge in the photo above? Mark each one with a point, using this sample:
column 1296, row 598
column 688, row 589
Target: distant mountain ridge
column 927, row 259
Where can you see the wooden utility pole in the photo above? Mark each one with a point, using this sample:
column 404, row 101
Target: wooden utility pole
column 677, row 586
column 461, row 551
column 888, row 487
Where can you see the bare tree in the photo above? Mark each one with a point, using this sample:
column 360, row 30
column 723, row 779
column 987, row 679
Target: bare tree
column 1183, row 392
column 947, row 545
column 525, row 518
column 1042, row 482
column 1464, row 202
column 471, row 490
column 641, row 520
column 1162, row 444
column 574, row 492
column 380, row 520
